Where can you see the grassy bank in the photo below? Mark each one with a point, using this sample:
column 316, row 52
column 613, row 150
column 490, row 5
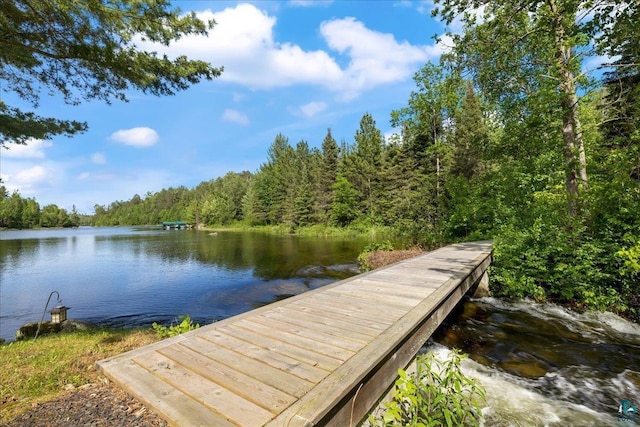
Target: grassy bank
column 36, row 371
column 364, row 231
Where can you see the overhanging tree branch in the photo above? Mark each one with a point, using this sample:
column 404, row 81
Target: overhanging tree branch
column 83, row 50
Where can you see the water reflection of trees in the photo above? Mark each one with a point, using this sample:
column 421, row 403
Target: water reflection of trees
column 13, row 252
column 272, row 257
column 267, row 256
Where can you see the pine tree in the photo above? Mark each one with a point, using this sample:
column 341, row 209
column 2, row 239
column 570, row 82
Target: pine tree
column 327, row 173
column 469, row 138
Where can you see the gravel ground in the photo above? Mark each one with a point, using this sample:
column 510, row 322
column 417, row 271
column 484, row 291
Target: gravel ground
column 92, row 405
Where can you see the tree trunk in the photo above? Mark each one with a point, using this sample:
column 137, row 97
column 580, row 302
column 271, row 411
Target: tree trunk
column 574, row 153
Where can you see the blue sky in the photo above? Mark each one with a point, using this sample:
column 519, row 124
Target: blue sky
column 291, row 67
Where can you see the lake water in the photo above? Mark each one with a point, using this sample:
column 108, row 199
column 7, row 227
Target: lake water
column 542, row 365
column 126, row 277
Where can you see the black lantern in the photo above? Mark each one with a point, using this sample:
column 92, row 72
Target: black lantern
column 59, row 314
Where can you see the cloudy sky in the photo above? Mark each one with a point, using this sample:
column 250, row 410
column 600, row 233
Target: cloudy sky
column 291, row 67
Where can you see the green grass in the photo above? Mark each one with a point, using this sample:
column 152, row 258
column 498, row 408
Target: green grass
column 37, row 371
column 362, row 231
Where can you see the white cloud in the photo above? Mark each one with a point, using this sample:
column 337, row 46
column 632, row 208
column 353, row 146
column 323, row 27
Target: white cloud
column 446, row 44
column 376, row 58
column 312, row 108
column 29, row 181
column 32, row 175
column 99, row 158
column 403, row 3
column 34, row 149
column 136, row 137
column 243, row 41
column 234, row 116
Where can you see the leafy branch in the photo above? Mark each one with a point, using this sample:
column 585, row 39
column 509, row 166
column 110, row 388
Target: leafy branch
column 437, row 394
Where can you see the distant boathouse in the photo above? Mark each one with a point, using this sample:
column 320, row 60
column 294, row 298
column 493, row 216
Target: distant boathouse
column 177, row 225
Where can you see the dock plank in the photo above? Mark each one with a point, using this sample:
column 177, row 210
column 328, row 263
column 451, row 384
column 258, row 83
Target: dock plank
column 298, row 352
column 375, row 300
column 413, row 294
column 176, row 407
column 325, row 325
column 320, row 317
column 371, row 320
column 358, row 303
column 221, row 401
column 299, row 339
column 320, row 358
column 261, row 371
column 239, row 383
column 325, row 335
column 283, row 362
column 383, row 286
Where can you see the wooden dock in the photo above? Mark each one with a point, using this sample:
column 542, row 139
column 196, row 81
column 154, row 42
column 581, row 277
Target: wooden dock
column 322, row 358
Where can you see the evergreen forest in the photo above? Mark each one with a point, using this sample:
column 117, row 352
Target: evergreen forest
column 514, row 135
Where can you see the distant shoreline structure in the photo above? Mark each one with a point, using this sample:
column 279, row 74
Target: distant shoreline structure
column 175, row 225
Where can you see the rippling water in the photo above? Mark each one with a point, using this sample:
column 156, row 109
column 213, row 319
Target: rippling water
column 543, row 365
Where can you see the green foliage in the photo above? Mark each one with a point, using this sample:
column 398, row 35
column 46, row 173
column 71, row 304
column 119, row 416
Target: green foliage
column 437, row 394
column 53, row 216
column 327, row 173
column 630, row 257
column 361, row 166
column 16, row 212
column 216, row 210
column 221, row 201
column 344, row 207
column 549, row 262
column 363, row 258
column 185, row 325
column 470, row 137
column 19, row 126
